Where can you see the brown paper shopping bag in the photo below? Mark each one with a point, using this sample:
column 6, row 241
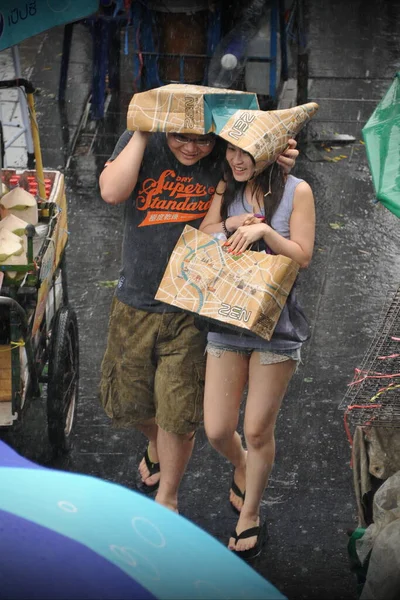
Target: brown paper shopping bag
column 247, row 291
column 265, row 134
column 185, row 108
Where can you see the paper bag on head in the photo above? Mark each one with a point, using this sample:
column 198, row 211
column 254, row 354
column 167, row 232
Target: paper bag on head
column 265, row 134
column 184, row 108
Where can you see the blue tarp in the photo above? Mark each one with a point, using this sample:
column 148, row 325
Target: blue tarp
column 21, row 19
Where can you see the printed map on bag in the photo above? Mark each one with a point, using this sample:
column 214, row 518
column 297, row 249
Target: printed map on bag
column 248, row 291
column 186, row 108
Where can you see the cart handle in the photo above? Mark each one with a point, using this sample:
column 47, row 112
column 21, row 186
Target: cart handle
column 29, row 89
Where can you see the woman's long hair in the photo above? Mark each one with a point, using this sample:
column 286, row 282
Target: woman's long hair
column 268, row 187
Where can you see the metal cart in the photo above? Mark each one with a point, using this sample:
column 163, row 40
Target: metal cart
column 39, row 346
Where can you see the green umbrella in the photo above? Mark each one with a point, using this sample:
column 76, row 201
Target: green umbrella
column 382, row 139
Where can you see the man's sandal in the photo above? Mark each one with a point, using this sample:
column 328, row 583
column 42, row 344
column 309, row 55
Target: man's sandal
column 236, row 490
column 153, row 469
column 251, row 553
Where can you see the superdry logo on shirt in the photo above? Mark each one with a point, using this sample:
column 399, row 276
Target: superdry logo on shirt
column 172, row 198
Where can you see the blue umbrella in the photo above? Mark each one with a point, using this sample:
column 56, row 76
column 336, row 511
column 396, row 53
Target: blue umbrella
column 70, row 536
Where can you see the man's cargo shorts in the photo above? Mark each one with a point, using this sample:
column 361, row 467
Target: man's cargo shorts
column 154, row 366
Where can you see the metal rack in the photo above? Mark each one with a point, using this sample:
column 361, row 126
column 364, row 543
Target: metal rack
column 375, row 399
column 14, row 116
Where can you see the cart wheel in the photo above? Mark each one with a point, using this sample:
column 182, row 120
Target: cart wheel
column 62, row 389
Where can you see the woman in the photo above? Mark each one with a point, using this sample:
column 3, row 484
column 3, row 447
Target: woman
column 271, row 211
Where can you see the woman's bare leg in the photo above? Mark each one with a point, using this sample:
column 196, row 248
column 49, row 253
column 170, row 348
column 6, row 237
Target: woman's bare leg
column 226, row 378
column 267, row 387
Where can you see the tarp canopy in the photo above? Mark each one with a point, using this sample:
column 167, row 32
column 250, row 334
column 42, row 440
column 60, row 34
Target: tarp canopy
column 22, row 19
column 382, row 139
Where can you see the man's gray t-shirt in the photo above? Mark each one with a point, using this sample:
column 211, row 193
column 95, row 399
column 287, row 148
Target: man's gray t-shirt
column 167, row 196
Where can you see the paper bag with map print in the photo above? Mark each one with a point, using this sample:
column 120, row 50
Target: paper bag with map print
column 184, row 108
column 247, row 291
column 265, row 134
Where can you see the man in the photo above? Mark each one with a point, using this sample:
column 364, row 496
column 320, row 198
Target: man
column 153, row 368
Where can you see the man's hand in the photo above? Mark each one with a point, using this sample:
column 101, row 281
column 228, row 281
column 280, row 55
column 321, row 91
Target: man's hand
column 119, row 178
column 287, row 160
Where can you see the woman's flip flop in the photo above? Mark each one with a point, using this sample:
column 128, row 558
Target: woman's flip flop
column 251, row 553
column 235, row 489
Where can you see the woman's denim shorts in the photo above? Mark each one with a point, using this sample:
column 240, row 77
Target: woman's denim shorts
column 266, row 357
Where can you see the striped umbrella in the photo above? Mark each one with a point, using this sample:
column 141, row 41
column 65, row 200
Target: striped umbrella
column 70, row 536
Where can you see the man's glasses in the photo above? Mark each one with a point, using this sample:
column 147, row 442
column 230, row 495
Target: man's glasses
column 183, row 139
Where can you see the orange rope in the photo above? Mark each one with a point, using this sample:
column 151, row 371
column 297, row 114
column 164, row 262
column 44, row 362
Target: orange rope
column 377, row 376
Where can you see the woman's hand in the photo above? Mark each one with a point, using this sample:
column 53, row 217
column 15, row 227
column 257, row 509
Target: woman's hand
column 245, row 236
column 253, row 220
column 233, row 223
column 287, row 159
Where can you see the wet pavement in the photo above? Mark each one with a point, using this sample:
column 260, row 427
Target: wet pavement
column 354, row 52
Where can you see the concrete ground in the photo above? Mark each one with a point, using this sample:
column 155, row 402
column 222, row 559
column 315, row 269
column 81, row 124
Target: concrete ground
column 310, row 503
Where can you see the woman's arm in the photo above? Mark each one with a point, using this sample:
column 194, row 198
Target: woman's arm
column 302, row 231
column 119, row 177
column 213, row 223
